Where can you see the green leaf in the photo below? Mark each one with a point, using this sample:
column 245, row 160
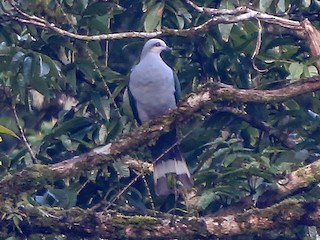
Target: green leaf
column 122, row 169
column 17, row 57
column 20, row 87
column 220, row 152
column 206, row 198
column 86, row 66
column 180, row 12
column 37, row 81
column 16, row 220
column 40, row 84
column 153, row 17
column 71, row 126
column 102, row 135
column 5, row 130
column 71, row 78
column 102, row 104
column 229, row 159
column 134, row 198
column 102, row 8
column 225, row 30
column 264, row 5
column 306, row 3
column 6, row 51
column 295, row 70
column 44, row 67
column 310, row 71
column 55, row 70
column 208, row 46
column 67, row 143
column 217, row 141
column 126, row 105
column 281, row 6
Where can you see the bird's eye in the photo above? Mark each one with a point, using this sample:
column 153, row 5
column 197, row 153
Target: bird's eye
column 157, row 44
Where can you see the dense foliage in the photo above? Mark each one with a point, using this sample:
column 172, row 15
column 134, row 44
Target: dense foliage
column 69, row 97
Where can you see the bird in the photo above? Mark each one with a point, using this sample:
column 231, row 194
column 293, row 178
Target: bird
column 154, row 90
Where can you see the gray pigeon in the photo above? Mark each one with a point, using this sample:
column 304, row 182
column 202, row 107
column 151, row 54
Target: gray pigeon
column 154, row 90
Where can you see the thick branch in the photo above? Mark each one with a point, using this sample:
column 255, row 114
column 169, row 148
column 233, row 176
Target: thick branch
column 294, row 181
column 313, row 39
column 78, row 222
column 203, row 100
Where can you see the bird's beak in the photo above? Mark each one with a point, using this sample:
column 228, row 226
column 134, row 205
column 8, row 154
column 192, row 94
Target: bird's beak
column 167, row 49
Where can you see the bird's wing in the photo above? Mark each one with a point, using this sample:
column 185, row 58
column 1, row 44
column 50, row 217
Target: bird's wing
column 177, row 93
column 133, row 105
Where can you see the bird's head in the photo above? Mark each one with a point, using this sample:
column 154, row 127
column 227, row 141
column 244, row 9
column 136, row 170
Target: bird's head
column 154, row 45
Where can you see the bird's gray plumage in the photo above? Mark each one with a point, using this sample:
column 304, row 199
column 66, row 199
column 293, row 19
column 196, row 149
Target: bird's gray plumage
column 154, row 90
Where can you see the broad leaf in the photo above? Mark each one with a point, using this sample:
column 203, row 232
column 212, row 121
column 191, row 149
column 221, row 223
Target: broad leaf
column 5, row 130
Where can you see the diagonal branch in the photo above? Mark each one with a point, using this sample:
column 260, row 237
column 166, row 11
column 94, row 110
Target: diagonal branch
column 296, row 180
column 312, row 36
column 271, row 131
column 23, row 136
column 202, row 100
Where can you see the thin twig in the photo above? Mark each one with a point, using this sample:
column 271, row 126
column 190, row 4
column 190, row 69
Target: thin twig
column 23, row 137
column 218, row 16
column 105, row 84
column 142, row 173
column 257, row 48
column 243, row 13
column 107, row 44
column 149, row 196
column 215, row 11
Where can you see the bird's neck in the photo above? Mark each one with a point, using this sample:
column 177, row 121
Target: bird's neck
column 153, row 55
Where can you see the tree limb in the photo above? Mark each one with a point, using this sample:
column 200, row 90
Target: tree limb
column 202, row 100
column 296, row 180
column 281, row 136
column 109, row 224
column 217, row 16
column 244, row 13
column 313, row 38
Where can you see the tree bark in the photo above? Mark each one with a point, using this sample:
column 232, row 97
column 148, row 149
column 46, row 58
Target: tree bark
column 313, row 39
column 203, row 100
column 78, row 222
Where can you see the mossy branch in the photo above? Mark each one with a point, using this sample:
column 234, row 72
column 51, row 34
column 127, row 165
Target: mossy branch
column 77, row 222
column 202, row 100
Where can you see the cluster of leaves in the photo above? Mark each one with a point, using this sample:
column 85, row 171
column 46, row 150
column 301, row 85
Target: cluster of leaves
column 68, row 95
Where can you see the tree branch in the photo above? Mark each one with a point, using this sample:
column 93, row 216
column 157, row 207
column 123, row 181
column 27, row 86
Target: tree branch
column 217, row 16
column 107, row 224
column 312, row 36
column 281, row 136
column 204, row 98
column 22, row 135
column 296, row 180
column 243, row 13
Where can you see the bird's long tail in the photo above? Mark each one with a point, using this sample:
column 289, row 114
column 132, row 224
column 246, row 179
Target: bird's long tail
column 170, row 168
